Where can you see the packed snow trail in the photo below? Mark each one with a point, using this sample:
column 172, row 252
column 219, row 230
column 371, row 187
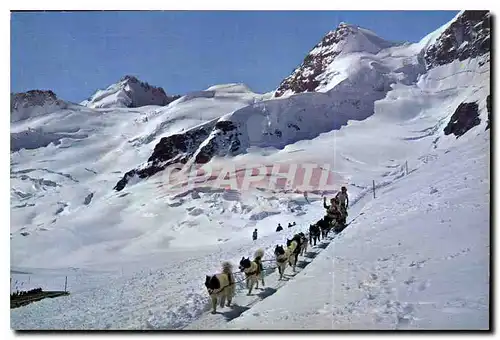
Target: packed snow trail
column 418, row 258
column 183, row 297
column 167, row 294
column 242, row 302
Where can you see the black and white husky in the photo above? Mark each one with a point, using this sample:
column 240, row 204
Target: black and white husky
column 221, row 286
column 253, row 270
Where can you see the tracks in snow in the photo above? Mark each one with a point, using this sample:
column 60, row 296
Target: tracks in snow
column 242, row 302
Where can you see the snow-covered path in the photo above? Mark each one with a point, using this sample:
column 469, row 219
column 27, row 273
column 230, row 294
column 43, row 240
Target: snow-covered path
column 243, row 302
column 167, row 293
column 417, row 258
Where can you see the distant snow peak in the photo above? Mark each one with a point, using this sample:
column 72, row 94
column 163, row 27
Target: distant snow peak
column 33, row 103
column 35, row 96
column 129, row 92
column 345, row 39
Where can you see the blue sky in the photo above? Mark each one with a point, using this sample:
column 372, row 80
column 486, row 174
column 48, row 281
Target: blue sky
column 75, row 53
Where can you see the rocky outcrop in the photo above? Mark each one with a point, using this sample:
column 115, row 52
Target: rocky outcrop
column 176, row 148
column 223, row 141
column 467, row 37
column 466, row 116
column 202, row 143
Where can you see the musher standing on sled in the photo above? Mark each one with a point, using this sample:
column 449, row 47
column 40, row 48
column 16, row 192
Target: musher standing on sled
column 343, row 199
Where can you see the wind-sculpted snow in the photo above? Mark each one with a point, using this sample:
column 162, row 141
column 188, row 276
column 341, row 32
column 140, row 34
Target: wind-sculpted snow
column 37, row 138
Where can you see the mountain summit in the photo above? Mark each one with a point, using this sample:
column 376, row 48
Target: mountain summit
column 33, row 103
column 129, row 92
column 345, row 39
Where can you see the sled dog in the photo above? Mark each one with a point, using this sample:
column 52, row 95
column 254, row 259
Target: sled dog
column 221, row 286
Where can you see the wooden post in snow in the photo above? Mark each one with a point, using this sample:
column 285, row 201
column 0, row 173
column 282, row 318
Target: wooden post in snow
column 406, row 166
column 373, row 188
column 66, row 284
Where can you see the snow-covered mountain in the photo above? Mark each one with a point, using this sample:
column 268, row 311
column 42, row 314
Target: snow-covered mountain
column 359, row 106
column 352, row 65
column 34, row 103
column 346, row 39
column 129, row 92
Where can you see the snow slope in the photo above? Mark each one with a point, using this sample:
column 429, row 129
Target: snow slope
column 77, row 157
column 418, row 258
column 375, row 275
column 136, row 258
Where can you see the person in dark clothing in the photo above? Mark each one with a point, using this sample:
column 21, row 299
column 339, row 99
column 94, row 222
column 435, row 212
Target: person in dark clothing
column 280, row 228
column 290, row 225
column 254, row 235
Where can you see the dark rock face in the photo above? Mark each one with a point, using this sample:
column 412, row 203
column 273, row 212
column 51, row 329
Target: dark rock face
column 185, row 143
column 172, row 149
column 488, row 108
column 466, row 116
column 222, row 139
column 467, row 37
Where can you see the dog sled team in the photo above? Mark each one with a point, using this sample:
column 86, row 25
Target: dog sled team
column 221, row 287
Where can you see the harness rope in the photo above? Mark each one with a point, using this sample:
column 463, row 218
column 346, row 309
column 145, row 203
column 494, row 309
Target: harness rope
column 239, row 281
column 263, row 269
